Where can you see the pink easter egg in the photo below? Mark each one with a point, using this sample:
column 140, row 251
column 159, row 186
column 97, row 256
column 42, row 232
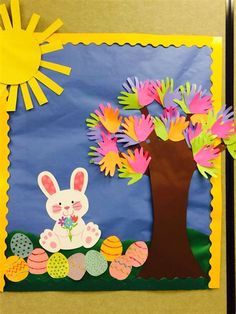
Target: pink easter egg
column 37, row 262
column 76, row 266
column 138, row 253
column 120, row 267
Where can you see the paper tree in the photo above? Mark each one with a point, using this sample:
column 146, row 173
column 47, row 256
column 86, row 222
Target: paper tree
column 184, row 133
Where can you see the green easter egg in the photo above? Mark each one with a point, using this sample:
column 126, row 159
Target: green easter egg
column 95, row 263
column 21, row 245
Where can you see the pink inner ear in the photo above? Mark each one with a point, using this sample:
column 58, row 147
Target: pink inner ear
column 79, row 181
column 48, row 184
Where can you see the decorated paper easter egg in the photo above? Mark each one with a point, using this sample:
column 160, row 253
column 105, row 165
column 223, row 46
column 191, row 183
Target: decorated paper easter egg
column 96, row 263
column 58, row 266
column 138, row 253
column 120, row 268
column 76, row 266
column 16, row 269
column 21, row 245
column 37, row 262
column 111, row 248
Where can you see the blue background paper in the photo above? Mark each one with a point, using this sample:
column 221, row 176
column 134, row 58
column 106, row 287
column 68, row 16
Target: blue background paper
column 53, row 137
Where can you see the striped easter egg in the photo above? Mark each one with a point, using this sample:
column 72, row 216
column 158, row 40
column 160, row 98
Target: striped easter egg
column 120, row 267
column 111, row 248
column 138, row 253
column 16, row 269
column 37, row 262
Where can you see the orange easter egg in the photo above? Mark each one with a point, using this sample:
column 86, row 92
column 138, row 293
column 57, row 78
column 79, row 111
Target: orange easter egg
column 37, row 262
column 111, row 248
column 16, row 269
column 138, row 253
column 120, row 268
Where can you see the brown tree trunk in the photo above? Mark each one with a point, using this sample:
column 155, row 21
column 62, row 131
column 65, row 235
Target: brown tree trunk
column 171, row 170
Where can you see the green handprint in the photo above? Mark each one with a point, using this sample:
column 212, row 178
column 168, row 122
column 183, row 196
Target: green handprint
column 92, row 123
column 205, row 170
column 129, row 100
column 160, row 129
column 125, row 174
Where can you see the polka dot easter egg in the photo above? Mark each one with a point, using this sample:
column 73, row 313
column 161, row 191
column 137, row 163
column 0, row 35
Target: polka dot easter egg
column 111, row 248
column 138, row 253
column 120, row 268
column 16, row 269
column 37, row 262
column 21, row 245
column 58, row 266
column 76, row 266
column 96, row 263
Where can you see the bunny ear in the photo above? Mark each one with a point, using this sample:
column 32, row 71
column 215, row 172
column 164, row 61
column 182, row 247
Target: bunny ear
column 47, row 183
column 79, row 180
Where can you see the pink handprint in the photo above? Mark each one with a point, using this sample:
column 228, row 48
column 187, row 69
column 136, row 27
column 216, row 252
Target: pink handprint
column 205, row 156
column 107, row 145
column 143, row 127
column 140, row 161
column 223, row 129
column 200, row 103
column 145, row 98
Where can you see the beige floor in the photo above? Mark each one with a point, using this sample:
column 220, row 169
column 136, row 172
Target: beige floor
column 195, row 17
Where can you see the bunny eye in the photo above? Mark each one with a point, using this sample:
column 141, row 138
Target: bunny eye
column 72, row 202
column 60, row 203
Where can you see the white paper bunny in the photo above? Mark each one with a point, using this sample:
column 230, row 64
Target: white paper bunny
column 67, row 207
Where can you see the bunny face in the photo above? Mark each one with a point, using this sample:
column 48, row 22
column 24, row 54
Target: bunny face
column 67, row 203
column 72, row 202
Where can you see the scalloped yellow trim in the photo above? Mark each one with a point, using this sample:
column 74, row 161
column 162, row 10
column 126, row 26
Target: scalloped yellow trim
column 215, row 43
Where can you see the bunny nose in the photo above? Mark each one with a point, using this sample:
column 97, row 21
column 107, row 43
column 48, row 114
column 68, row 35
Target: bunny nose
column 67, row 207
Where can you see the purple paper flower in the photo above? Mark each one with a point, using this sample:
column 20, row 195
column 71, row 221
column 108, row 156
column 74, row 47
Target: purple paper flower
column 61, row 221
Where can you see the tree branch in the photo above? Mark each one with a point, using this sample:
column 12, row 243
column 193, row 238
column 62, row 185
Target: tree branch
column 221, row 146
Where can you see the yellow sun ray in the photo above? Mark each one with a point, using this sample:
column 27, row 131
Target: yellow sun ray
column 12, row 98
column 26, row 96
column 5, row 17
column 50, row 30
column 55, row 67
column 33, row 23
column 49, row 83
column 2, row 88
column 21, row 58
column 37, row 91
column 51, row 47
column 15, row 12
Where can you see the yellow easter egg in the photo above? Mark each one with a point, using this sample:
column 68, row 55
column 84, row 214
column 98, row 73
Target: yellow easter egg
column 58, row 266
column 16, row 269
column 111, row 248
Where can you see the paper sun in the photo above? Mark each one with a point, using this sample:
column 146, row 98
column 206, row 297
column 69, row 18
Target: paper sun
column 21, row 58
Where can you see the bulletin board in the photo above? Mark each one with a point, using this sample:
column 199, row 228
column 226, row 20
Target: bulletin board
column 173, row 17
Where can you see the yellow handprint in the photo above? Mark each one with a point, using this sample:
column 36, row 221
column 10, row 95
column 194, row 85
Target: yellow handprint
column 176, row 129
column 129, row 128
column 109, row 162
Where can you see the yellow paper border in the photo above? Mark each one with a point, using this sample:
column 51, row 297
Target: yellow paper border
column 215, row 43
column 4, row 175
